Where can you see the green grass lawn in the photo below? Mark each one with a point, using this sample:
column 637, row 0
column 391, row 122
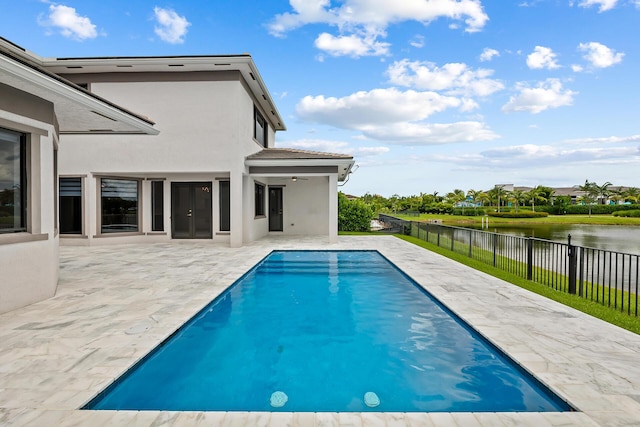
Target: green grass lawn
column 551, row 219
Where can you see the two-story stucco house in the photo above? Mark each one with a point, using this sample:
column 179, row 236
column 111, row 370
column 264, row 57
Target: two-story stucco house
column 211, row 173
column 195, row 161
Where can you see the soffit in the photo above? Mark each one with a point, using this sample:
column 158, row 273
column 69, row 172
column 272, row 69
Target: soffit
column 77, row 111
column 176, row 64
column 292, row 162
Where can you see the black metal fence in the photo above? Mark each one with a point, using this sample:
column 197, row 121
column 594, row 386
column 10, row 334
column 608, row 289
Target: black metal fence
column 607, row 277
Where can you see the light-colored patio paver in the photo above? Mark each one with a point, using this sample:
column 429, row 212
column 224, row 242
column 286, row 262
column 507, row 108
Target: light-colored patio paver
column 116, row 303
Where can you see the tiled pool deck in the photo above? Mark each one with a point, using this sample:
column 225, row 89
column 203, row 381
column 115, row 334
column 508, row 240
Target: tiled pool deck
column 115, row 303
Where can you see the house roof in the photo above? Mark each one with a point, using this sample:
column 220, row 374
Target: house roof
column 288, row 161
column 292, row 154
column 176, row 64
column 77, row 110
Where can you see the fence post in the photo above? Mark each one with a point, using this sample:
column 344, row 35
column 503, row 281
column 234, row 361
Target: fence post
column 470, row 243
column 530, row 258
column 439, row 235
column 573, row 266
column 495, row 244
column 453, row 238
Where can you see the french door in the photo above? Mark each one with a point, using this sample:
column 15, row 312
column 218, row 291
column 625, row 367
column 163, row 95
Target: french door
column 191, row 212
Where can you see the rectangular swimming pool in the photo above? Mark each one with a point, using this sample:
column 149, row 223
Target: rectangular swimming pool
column 326, row 331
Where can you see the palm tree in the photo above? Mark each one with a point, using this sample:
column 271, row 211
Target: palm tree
column 484, row 197
column 474, row 195
column 517, row 196
column 536, row 194
column 603, row 191
column 590, row 193
column 632, row 194
column 456, row 197
column 498, row 193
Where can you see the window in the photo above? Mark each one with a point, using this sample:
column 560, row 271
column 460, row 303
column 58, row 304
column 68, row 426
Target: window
column 225, row 206
column 119, row 205
column 70, row 205
column 157, row 206
column 259, row 204
column 13, row 181
column 260, row 130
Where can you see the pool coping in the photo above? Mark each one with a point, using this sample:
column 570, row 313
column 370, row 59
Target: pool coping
column 55, row 357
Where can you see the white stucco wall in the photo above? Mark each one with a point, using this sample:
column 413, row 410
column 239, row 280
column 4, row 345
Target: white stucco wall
column 206, row 130
column 29, row 260
column 306, row 206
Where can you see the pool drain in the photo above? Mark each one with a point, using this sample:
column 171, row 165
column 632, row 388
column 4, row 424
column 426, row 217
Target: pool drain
column 278, row 399
column 371, row 399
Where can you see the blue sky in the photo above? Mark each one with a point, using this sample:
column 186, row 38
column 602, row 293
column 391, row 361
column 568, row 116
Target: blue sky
column 428, row 95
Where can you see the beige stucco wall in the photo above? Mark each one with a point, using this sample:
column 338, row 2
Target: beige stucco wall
column 29, row 260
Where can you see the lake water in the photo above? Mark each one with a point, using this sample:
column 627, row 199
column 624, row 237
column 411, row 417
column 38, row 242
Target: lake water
column 618, row 238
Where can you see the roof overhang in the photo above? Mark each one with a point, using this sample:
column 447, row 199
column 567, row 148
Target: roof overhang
column 77, row 111
column 300, row 167
column 179, row 64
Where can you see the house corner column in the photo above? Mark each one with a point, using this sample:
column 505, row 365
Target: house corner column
column 333, row 208
column 237, row 217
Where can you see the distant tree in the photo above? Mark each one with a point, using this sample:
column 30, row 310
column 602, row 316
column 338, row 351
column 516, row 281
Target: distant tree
column 517, row 197
column 497, row 195
column 375, row 201
column 590, row 193
column 456, row 197
column 632, row 194
column 536, row 194
column 474, row 195
column 603, row 192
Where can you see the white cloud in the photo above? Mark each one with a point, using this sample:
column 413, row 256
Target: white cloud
column 534, row 154
column 171, row 27
column 545, row 95
column 599, row 55
column 431, row 133
column 577, row 68
column 378, row 106
column 604, row 4
column 368, row 19
column 453, row 78
column 339, row 147
column 70, row 24
column 542, row 57
column 488, row 54
column 394, row 116
column 418, row 41
column 531, row 156
column 353, row 45
column 606, row 140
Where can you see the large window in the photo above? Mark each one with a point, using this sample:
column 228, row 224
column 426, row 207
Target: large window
column 70, row 205
column 157, row 206
column 119, row 205
column 259, row 202
column 260, row 129
column 13, row 181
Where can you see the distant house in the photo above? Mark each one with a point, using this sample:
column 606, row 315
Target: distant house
column 196, row 161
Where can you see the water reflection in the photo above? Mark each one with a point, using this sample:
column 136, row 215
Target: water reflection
column 618, row 238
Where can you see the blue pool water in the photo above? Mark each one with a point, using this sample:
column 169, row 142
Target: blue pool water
column 322, row 331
